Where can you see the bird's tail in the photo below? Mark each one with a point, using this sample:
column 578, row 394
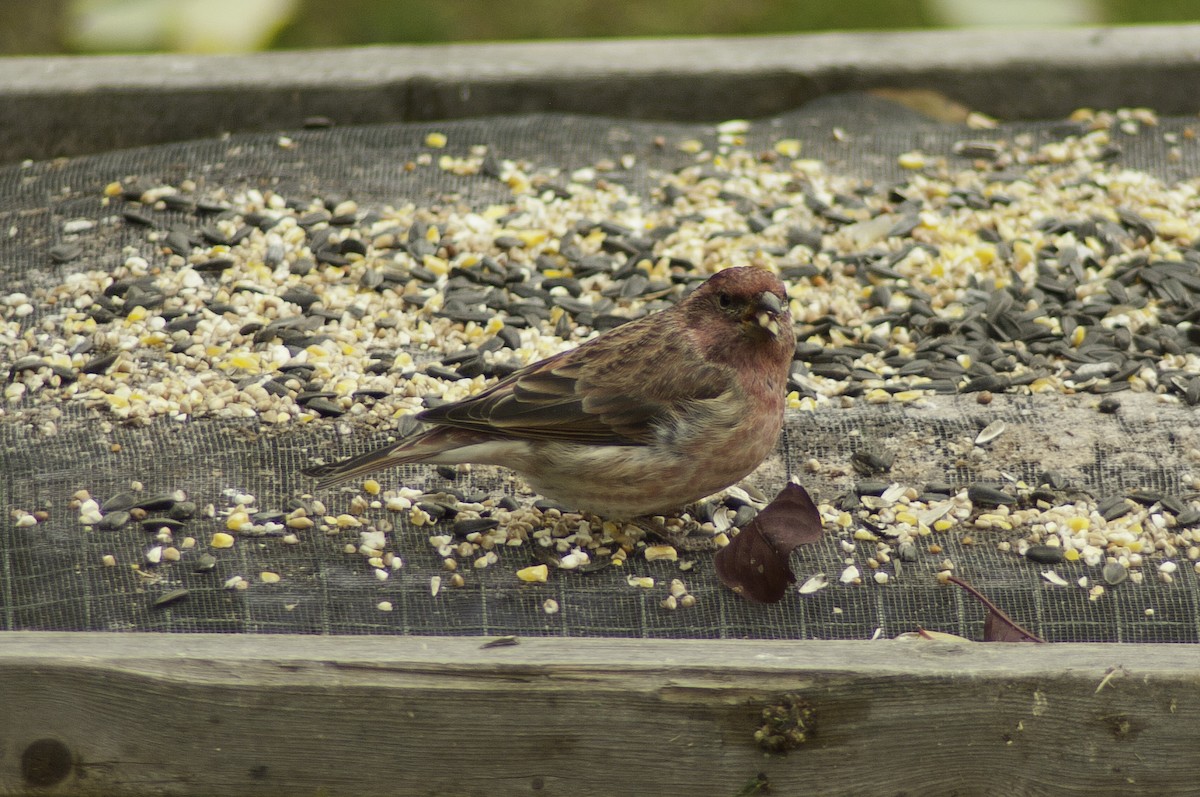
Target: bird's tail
column 424, row 447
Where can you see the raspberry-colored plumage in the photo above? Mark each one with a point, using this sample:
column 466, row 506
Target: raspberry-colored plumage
column 646, row 418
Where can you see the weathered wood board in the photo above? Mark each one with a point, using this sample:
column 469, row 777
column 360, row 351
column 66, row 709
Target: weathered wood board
column 141, row 714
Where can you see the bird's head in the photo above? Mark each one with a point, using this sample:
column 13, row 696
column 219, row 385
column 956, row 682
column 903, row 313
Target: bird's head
column 743, row 302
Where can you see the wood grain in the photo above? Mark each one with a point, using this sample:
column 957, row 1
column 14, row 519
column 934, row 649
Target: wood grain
column 142, row 714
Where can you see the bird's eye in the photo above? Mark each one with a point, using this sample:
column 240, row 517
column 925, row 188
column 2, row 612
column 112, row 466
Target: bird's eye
column 725, row 300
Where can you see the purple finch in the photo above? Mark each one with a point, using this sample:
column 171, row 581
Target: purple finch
column 641, row 420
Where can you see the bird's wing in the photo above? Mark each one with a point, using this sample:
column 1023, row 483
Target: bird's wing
column 610, row 390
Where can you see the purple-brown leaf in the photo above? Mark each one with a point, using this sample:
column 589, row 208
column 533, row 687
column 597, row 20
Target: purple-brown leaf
column 997, row 626
column 755, row 564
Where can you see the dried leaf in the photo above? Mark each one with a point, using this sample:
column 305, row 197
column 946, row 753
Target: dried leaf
column 998, row 629
column 755, row 564
column 997, row 626
column 753, row 568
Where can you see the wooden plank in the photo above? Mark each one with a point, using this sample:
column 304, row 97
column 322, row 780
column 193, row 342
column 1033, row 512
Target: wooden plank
column 140, row 714
column 61, row 106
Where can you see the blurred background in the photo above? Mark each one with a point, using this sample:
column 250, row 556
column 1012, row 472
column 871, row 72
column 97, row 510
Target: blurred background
column 216, row 26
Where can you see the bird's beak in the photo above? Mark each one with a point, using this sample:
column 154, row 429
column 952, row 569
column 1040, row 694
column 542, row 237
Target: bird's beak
column 767, row 311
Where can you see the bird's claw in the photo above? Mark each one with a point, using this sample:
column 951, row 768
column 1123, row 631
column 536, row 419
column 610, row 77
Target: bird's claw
column 686, row 535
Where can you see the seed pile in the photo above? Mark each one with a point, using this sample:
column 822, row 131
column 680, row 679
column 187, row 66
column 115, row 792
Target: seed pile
column 1010, row 264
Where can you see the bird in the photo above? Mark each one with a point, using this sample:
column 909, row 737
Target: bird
column 642, row 420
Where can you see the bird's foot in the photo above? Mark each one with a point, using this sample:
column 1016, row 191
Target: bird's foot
column 683, row 533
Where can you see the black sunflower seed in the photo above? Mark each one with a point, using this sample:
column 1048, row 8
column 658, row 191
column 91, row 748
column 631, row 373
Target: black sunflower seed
column 159, row 522
column 179, row 203
column 1045, row 554
column 179, row 242
column 155, row 502
column 465, row 526
column 324, row 407
column 302, row 297
column 137, row 217
column 1114, row 507
column 870, row 487
column 65, row 252
column 113, row 520
column 170, row 597
column 118, row 502
column 100, row 364
column 988, row 496
column 214, row 264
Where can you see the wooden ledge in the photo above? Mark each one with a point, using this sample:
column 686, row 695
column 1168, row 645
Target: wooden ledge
column 66, row 106
column 134, row 714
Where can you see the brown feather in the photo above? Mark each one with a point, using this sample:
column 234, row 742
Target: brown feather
column 584, row 395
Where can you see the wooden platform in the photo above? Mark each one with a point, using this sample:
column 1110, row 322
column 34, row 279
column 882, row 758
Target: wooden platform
column 143, row 714
column 63, row 106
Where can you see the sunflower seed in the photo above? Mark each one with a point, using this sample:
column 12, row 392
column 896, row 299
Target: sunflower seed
column 1045, row 554
column 813, row 583
column 990, row 432
column 1054, row 578
column 988, row 496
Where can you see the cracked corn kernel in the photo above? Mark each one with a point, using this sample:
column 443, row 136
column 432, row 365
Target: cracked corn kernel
column 788, row 147
column 269, row 577
column 656, row 553
column 537, row 574
column 436, row 140
column 222, row 540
